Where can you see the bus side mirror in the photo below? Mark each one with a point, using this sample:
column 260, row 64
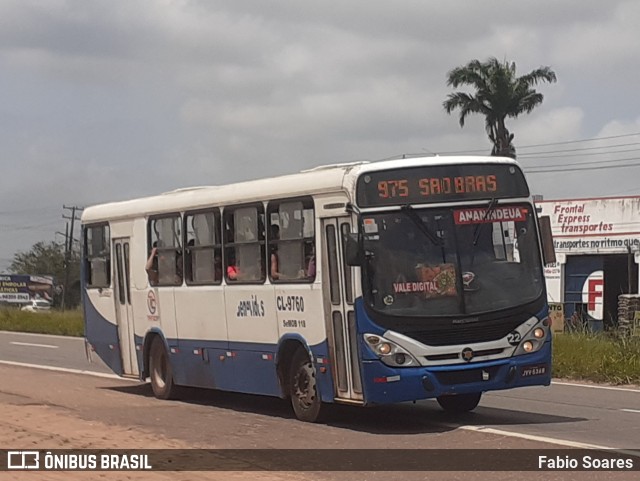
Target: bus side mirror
column 352, row 255
column 548, row 250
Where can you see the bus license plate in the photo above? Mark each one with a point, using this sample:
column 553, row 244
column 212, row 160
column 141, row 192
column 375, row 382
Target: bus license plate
column 529, row 371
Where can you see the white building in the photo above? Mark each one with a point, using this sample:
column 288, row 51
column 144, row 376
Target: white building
column 597, row 242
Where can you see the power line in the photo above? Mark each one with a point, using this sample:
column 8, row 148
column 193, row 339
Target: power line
column 593, row 139
column 586, row 168
column 25, row 211
column 567, row 164
column 565, row 142
column 625, row 151
column 36, row 227
column 529, row 155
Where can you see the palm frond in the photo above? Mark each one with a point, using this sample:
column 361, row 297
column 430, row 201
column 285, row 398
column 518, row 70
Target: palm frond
column 499, row 93
column 542, row 74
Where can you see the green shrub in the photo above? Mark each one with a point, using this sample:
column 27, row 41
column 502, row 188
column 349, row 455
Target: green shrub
column 597, row 357
column 67, row 323
column 580, row 356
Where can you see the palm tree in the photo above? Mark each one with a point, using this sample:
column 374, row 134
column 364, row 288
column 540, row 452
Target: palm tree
column 499, row 94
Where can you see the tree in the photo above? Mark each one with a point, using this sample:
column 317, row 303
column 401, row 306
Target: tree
column 49, row 260
column 499, row 94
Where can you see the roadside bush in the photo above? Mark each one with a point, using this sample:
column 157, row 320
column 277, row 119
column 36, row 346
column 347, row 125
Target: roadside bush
column 597, row 357
column 578, row 355
column 67, row 323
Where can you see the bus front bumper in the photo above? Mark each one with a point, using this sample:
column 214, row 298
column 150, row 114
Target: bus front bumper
column 384, row 384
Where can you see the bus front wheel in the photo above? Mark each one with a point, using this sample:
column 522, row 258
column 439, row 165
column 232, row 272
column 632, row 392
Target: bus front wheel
column 305, row 400
column 160, row 371
column 459, row 403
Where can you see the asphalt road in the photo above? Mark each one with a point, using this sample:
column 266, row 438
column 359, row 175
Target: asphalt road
column 565, row 414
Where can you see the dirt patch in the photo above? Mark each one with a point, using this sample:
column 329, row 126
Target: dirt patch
column 26, row 426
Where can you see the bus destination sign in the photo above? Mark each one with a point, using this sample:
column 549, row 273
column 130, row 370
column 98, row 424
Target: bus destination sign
column 440, row 183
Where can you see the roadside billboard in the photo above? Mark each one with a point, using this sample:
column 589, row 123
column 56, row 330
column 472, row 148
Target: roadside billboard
column 20, row 289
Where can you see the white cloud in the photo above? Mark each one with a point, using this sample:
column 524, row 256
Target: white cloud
column 549, row 126
column 105, row 100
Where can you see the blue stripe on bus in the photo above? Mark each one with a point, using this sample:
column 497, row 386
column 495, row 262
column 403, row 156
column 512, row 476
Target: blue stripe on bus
column 244, row 370
column 238, row 366
column 228, row 366
column 102, row 334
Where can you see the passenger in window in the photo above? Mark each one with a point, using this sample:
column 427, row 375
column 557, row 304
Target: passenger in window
column 232, row 273
column 152, row 265
column 188, row 258
column 310, row 270
column 217, row 267
column 232, row 268
column 275, row 235
column 178, row 273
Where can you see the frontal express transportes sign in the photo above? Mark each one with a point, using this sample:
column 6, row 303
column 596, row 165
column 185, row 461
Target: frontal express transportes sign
column 594, row 226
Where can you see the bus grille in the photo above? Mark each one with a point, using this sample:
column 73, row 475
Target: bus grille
column 466, row 333
column 456, row 355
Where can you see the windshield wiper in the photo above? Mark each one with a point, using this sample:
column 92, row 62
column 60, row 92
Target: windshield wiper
column 420, row 224
column 478, row 230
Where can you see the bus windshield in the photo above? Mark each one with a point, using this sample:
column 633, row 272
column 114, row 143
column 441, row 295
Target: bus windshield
column 452, row 261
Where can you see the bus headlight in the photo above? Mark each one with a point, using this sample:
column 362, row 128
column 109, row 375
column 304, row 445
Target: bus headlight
column 389, row 352
column 534, row 339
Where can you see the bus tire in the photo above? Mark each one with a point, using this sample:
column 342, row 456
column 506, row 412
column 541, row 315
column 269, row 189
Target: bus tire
column 303, row 389
column 160, row 371
column 459, row 403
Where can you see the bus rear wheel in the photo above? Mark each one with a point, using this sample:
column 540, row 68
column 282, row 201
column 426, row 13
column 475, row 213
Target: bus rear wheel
column 160, row 371
column 305, row 399
column 459, row 403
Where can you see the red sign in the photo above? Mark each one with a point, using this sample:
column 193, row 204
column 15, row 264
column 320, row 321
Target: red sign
column 482, row 215
column 593, row 293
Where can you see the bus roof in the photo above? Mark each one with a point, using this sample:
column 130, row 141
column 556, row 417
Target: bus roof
column 318, row 180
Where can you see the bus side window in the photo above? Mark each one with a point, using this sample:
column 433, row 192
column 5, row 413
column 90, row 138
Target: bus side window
column 244, row 244
column 203, row 252
column 97, row 256
column 291, row 240
column 165, row 235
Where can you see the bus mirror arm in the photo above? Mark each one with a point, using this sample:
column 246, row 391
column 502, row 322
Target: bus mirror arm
column 548, row 249
column 351, row 208
column 352, row 253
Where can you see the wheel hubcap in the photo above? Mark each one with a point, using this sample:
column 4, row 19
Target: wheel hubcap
column 305, row 385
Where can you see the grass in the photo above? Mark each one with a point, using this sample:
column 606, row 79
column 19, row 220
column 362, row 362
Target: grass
column 68, row 323
column 580, row 356
column 597, row 357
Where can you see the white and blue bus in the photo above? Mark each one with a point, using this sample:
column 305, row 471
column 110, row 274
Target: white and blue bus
column 362, row 283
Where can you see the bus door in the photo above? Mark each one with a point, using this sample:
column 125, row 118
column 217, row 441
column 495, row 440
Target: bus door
column 124, row 311
column 341, row 321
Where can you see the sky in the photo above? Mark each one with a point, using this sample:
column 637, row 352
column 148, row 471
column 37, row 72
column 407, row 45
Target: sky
column 117, row 99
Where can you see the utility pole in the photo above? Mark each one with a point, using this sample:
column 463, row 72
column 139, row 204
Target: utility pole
column 65, row 234
column 68, row 250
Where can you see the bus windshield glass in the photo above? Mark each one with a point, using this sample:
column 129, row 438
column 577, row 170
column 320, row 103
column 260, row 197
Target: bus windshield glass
column 452, row 261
